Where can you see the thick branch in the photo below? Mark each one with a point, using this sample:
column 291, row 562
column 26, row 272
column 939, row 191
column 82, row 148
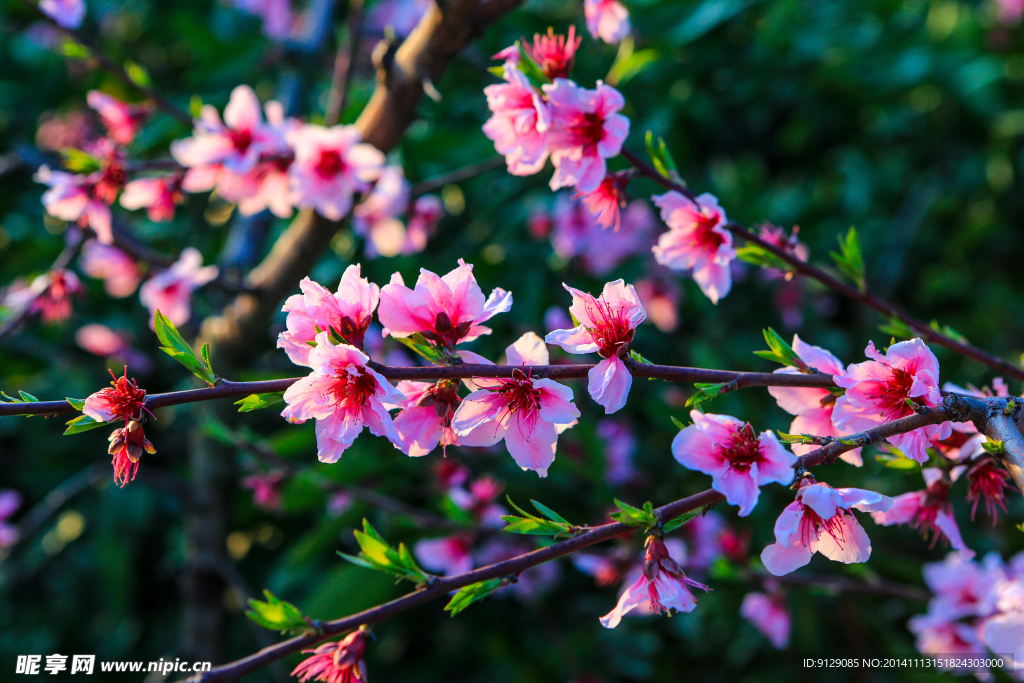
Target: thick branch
column 465, row 371
column 516, row 565
column 423, row 57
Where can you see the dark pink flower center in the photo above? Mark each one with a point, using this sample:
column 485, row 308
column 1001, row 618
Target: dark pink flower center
column 330, row 163
column 812, row 523
column 743, row 449
column 586, row 130
column 987, row 481
column 613, row 333
column 705, row 236
column 240, row 140
column 352, row 391
column 892, row 394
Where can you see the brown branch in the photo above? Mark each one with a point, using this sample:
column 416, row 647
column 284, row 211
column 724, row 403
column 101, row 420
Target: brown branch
column 458, row 175
column 516, row 565
column 228, row 389
column 344, row 63
column 824, row 277
column 111, row 65
column 423, row 57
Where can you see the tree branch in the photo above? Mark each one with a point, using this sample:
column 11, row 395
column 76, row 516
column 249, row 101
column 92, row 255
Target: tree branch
column 423, row 57
column 228, row 389
column 516, row 565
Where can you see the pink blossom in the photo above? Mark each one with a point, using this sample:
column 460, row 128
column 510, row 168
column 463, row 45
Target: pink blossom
column 276, row 15
column 606, row 19
column 241, row 157
column 738, row 460
column 696, row 240
column 620, row 445
column 121, row 119
column 554, row 53
column 170, row 291
column 10, row 501
column 52, row 294
column 331, row 165
column 73, row 198
column 586, row 129
column 119, row 272
column 820, row 521
column 938, row 636
column 987, row 481
column 340, row 662
column 448, row 556
column 1004, row 634
column 346, row 313
column 426, row 416
column 100, row 340
column 929, row 510
column 812, row 407
column 478, row 500
column 338, row 503
column 67, row 13
column 578, row 233
column 877, row 390
column 425, row 215
column 446, row 309
column 604, row 202
column 962, row 587
column 266, row 489
column 122, row 400
column 527, row 413
column 376, row 217
column 1009, row 12
column 343, row 395
column 768, row 613
column 661, row 297
column 663, row 586
column 519, row 122
column 236, row 143
column 158, row 196
column 606, row 326
column 707, row 538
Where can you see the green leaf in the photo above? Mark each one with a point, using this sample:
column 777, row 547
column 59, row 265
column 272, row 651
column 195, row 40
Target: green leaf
column 474, row 592
column 706, row 392
column 278, row 615
column 376, row 553
column 662, row 160
column 849, row 259
column 530, row 68
column 82, row 423
column 677, row 422
column 761, row 257
column 628, row 63
column 257, row 401
column 73, row 49
column 180, row 350
column 498, row 71
column 77, row 161
column 76, row 403
column 195, row 106
column 632, row 516
column 679, row 521
column 896, row 462
column 418, row 343
column 994, row 446
column 894, row 327
column 138, row 74
column 532, row 525
column 948, row 331
column 796, row 438
column 635, row 355
column 780, row 351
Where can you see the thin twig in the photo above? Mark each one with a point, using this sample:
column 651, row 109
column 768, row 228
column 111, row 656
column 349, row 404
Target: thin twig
column 824, row 277
column 458, row 175
column 112, row 65
column 75, row 239
column 516, row 565
column 228, row 389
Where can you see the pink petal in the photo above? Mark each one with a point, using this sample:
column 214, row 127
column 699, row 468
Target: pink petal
column 610, row 382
